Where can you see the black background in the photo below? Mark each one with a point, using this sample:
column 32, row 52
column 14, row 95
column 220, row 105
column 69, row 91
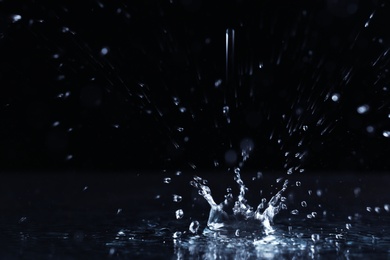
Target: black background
column 120, row 112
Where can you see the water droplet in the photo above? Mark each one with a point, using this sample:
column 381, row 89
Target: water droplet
column 104, row 51
column 218, row 83
column 177, row 198
column 121, row 233
column 64, row 29
column 177, row 234
column 348, row 226
column 305, row 127
column 69, row 157
column 85, row 188
column 15, row 18
column 298, row 183
column 290, row 171
column 386, row 134
column 176, row 100
column 370, row 129
column 237, row 233
column 118, row 211
column 315, row 237
column 167, row 180
column 179, row 214
column 357, row 191
column 304, row 204
column 56, row 123
column 295, row 212
column 194, row 226
column 178, row 173
column 377, row 209
column 22, row 219
column 259, row 175
column 363, row 109
column 335, row 97
column 369, row 209
column 180, row 129
column 387, row 207
column 279, row 179
column 183, row 109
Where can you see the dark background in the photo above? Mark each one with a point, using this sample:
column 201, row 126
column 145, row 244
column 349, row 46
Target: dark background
column 155, row 100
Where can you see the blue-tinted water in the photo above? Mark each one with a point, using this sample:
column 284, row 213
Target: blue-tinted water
column 80, row 215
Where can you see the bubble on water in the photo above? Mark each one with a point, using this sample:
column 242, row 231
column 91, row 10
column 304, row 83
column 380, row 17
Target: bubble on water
column 386, row 134
column 377, row 210
column 335, row 97
column 104, row 51
column 315, row 237
column 69, row 157
column 369, row 209
column 180, row 129
column 177, row 198
column 295, row 212
column 15, row 18
column 279, row 179
column 363, row 109
column 303, row 204
column 298, row 183
column 194, row 226
column 305, row 128
column 237, row 233
column 118, row 211
column 290, row 170
column 178, row 173
column 179, row 214
column 348, row 226
column 182, row 109
column 85, row 188
column 177, row 234
column 218, row 83
column 167, row 180
column 56, row 123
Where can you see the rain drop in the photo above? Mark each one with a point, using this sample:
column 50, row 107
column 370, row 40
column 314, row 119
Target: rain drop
column 167, row 180
column 194, row 226
column 104, row 51
column 16, row 17
column 177, row 198
column 179, row 214
column 363, row 109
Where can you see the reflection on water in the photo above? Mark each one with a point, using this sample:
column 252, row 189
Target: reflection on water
column 300, row 240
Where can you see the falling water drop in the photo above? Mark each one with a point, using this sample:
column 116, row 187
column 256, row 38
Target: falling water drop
column 194, row 226
column 179, row 214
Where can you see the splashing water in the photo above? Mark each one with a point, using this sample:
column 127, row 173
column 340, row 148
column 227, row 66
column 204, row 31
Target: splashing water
column 237, row 215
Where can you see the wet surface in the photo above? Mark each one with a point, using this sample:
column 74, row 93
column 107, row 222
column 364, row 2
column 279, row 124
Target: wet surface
column 82, row 215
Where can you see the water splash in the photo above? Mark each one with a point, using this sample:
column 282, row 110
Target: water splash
column 236, row 214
